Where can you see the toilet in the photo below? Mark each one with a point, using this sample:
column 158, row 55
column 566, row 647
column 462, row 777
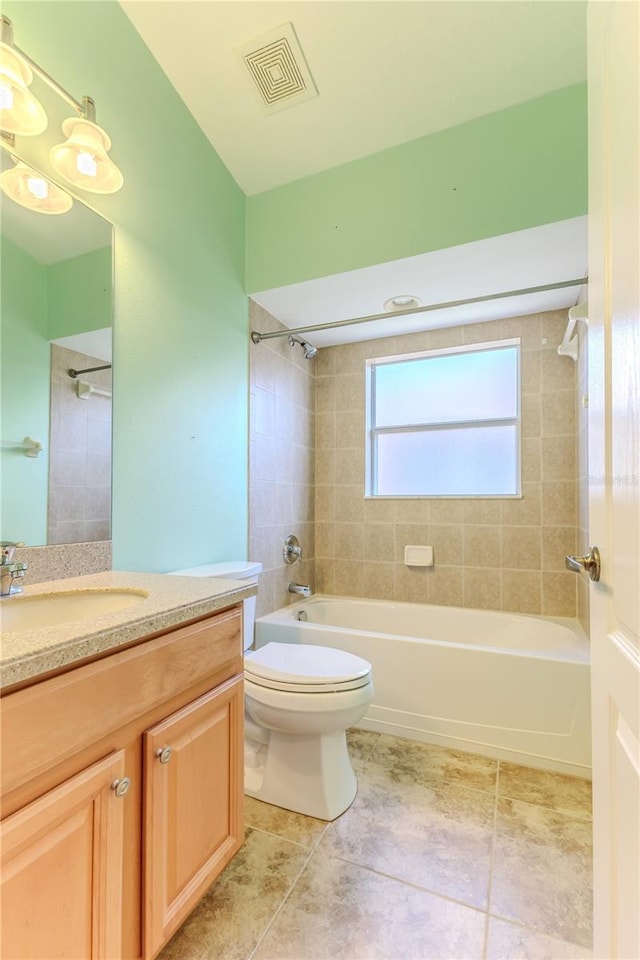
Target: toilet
column 299, row 701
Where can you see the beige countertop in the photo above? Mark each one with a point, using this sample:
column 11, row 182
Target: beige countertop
column 166, row 602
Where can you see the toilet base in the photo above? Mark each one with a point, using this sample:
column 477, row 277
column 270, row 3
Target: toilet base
column 304, row 773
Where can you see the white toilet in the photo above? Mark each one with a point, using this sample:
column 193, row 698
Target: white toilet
column 299, row 701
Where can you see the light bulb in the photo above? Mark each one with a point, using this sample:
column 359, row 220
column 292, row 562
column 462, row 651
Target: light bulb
column 20, row 112
column 87, row 165
column 33, row 191
column 37, row 187
column 83, row 159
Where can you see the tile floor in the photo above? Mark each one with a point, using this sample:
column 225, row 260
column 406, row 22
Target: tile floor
column 442, row 855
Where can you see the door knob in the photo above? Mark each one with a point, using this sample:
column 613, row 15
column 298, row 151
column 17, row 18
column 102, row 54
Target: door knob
column 589, row 562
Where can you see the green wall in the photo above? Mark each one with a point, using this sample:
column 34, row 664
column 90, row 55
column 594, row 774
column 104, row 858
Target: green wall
column 507, row 171
column 25, row 376
column 180, row 328
column 79, row 294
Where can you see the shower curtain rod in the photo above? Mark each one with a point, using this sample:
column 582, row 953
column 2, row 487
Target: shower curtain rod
column 257, row 337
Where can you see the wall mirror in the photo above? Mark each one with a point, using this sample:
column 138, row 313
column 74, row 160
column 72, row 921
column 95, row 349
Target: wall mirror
column 57, row 310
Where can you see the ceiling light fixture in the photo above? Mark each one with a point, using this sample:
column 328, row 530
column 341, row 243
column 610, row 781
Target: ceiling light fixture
column 403, row 301
column 82, row 159
column 30, row 189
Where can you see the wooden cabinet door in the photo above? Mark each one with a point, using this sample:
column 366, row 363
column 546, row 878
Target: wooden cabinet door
column 193, row 814
column 62, row 870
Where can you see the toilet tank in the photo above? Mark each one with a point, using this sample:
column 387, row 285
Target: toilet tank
column 247, row 571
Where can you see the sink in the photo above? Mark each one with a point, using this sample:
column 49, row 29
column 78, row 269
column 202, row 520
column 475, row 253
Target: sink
column 30, row 613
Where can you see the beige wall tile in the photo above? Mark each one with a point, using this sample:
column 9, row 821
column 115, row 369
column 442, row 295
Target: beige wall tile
column 531, row 414
column 325, row 430
column 349, row 466
column 558, row 373
column 446, row 511
column 481, row 546
column 325, row 539
column 522, row 591
column 558, row 458
column 349, row 504
column 348, row 541
column 481, row 588
column 559, row 413
column 413, row 511
column 526, row 509
column 350, row 428
column 522, row 548
column 325, row 501
column 531, row 459
column 325, row 576
column 446, row 540
column 325, row 466
column 325, row 396
column 530, row 372
column 559, row 504
column 557, row 542
column 349, row 392
column 378, row 580
column 559, row 594
column 379, row 542
column 379, row 511
column 348, row 578
column 349, row 358
column 445, row 587
column 481, row 511
column 410, row 584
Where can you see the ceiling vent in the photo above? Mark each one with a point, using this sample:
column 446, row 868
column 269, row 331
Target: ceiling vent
column 278, row 68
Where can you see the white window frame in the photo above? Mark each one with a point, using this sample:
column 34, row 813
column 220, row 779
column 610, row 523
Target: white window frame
column 372, row 432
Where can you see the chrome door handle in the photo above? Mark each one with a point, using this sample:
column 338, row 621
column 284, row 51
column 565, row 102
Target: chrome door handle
column 590, row 562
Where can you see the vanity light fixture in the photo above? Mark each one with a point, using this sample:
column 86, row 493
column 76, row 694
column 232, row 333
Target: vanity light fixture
column 31, row 190
column 82, row 159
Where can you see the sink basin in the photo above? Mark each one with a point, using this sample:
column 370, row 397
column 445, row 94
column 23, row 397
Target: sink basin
column 30, row 613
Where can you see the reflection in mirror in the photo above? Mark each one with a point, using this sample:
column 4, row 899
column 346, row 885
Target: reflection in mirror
column 56, row 315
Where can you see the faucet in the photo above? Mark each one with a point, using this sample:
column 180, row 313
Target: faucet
column 10, row 571
column 301, row 588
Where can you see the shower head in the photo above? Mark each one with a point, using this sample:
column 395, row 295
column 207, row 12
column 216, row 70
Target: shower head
column 309, row 350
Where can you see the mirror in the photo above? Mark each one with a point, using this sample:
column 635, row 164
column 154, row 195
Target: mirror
column 57, row 305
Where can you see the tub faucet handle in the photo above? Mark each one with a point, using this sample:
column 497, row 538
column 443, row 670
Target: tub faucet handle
column 291, row 549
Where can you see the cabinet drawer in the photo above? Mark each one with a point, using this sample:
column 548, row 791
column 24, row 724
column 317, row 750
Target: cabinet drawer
column 50, row 721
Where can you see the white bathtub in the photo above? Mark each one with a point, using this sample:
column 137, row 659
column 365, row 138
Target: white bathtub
column 505, row 685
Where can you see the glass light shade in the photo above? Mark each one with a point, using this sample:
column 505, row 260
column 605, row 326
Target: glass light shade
column 20, row 112
column 83, row 160
column 33, row 191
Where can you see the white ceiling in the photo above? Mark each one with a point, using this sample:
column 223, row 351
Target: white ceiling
column 387, row 71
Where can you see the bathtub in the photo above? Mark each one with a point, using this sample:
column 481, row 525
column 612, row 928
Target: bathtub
column 506, row 685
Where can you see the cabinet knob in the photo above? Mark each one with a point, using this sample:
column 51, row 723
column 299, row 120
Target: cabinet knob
column 121, row 787
column 163, row 754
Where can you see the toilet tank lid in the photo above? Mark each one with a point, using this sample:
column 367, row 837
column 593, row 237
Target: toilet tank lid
column 231, row 570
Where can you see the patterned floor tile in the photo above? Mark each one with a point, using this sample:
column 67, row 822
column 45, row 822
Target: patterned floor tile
column 437, row 837
column 542, row 871
column 284, row 823
column 230, row 919
column 506, row 941
column 338, row 911
column 409, row 761
column 556, row 791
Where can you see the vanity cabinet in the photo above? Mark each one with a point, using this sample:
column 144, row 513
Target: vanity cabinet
column 122, row 794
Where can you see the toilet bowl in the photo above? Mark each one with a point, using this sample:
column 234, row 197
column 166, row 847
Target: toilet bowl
column 299, row 701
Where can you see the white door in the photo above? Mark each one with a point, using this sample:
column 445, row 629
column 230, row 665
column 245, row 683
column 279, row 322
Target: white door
column 614, row 467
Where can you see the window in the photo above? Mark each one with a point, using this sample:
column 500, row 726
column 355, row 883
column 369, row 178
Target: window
column 445, row 423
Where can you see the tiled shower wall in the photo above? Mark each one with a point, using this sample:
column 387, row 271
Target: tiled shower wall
column 80, row 457
column 281, row 500
column 494, row 554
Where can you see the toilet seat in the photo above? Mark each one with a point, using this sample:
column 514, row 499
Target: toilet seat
column 306, row 668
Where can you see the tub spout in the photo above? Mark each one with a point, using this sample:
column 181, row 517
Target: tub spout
column 301, row 588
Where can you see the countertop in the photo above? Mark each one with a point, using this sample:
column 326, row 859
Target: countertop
column 170, row 601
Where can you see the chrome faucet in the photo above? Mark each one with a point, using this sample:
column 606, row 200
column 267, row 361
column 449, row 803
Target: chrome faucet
column 303, row 589
column 10, row 571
